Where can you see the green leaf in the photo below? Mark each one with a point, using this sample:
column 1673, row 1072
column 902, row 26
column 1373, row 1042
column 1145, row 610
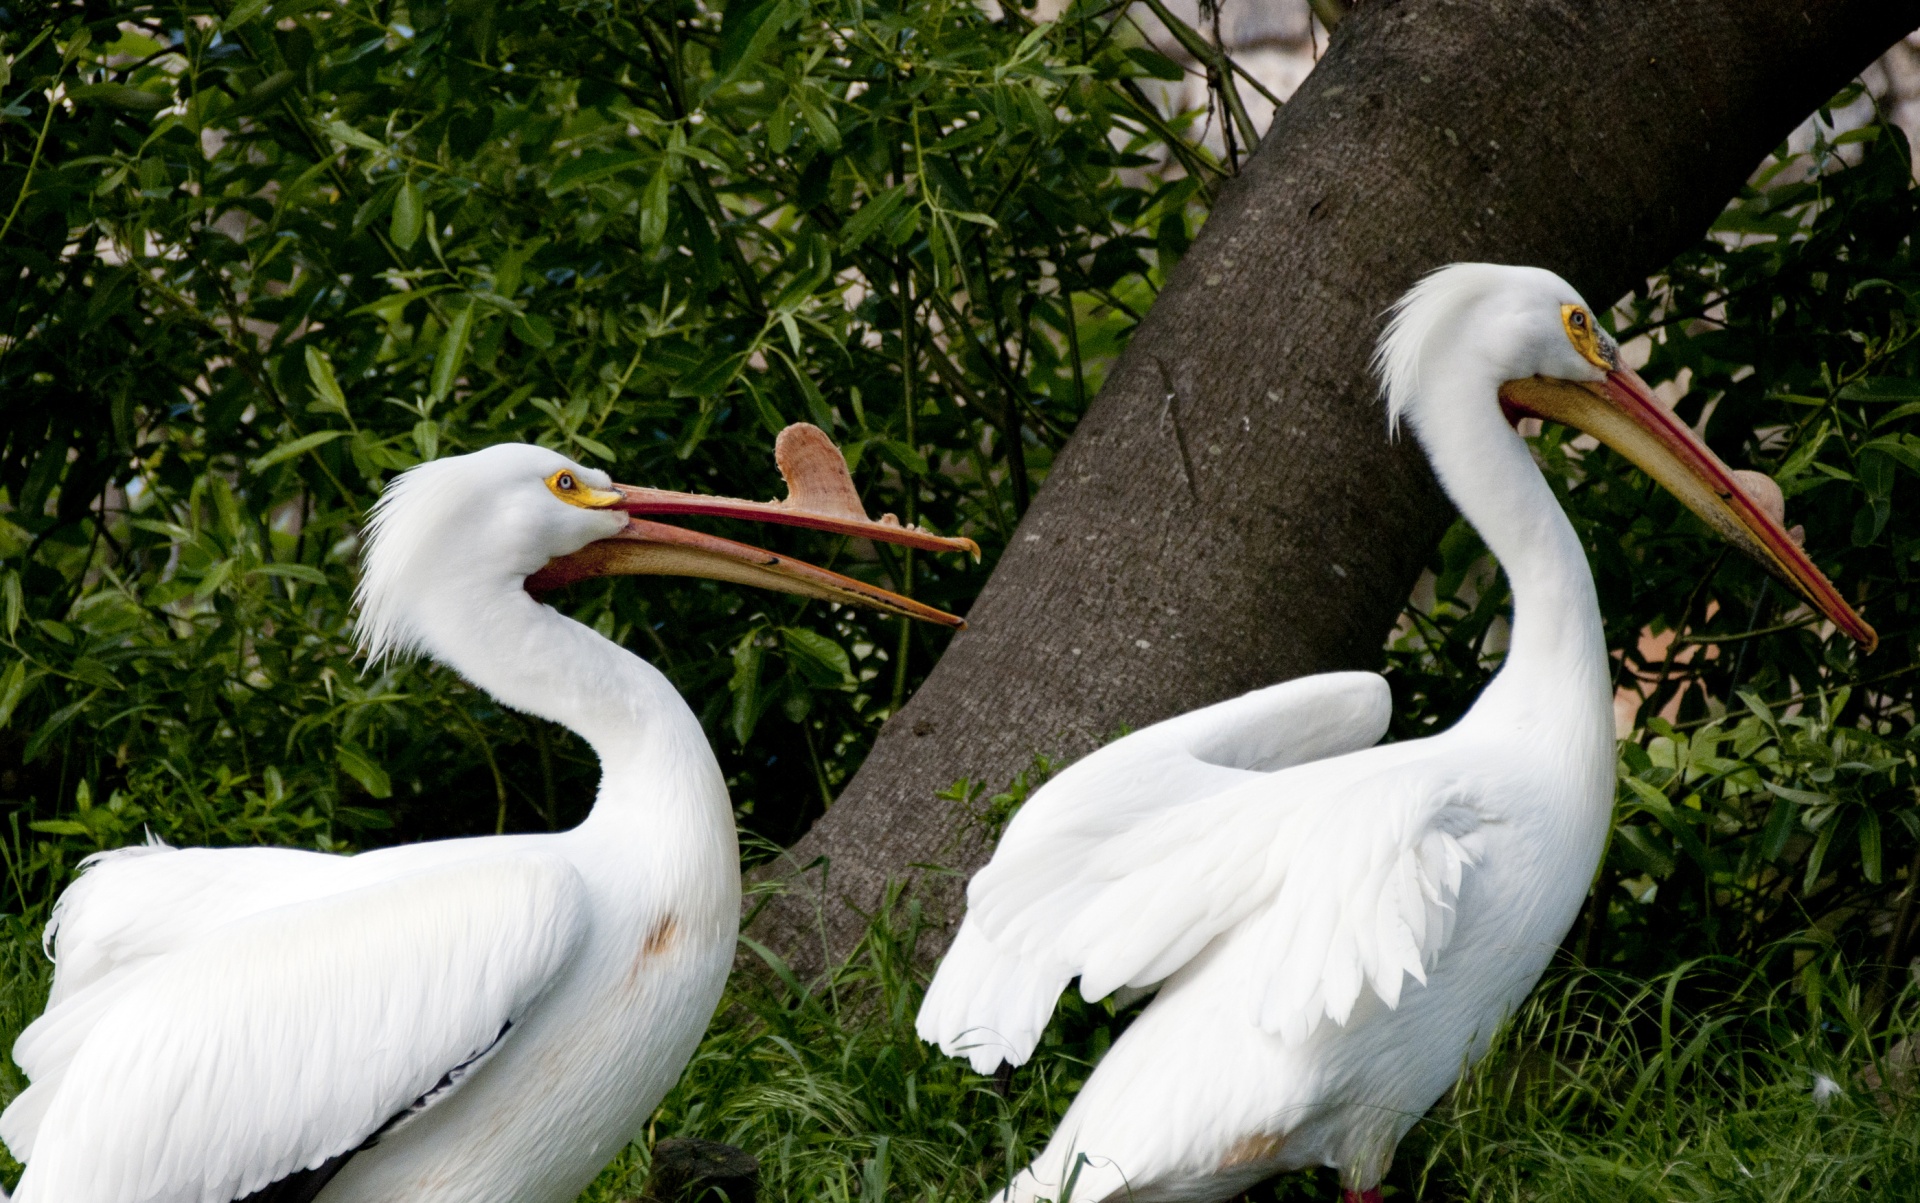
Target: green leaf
column 1156, row 65
column 534, row 330
column 507, row 269
column 408, row 211
column 120, row 96
column 340, row 131
column 93, row 673
column 214, row 580
column 825, row 132
column 744, row 686
column 746, row 31
column 303, row 573
column 56, row 722
column 904, row 456
column 1882, row 389
column 225, row 506
column 977, row 131
column 1870, row 846
column 763, row 408
column 60, row 827
column 266, row 92
column 1818, row 857
column 1903, row 449
column 299, row 446
column 593, row 447
column 1758, row 705
column 653, row 209
column 871, row 217
column 242, row 13
column 1799, row 797
column 14, row 601
column 357, row 764
column 452, row 352
column 818, row 659
column 1644, row 850
column 780, row 127
column 13, row 687
column 1655, row 799
column 320, row 372
column 591, row 166
column 1782, row 821
column 710, row 377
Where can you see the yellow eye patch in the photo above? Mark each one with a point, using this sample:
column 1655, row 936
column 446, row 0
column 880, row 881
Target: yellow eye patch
column 568, row 487
column 1587, row 337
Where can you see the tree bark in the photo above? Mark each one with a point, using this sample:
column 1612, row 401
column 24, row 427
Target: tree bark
column 1230, row 512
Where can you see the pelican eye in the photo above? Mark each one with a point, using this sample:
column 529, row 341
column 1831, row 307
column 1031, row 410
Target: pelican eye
column 568, row 488
column 1586, row 337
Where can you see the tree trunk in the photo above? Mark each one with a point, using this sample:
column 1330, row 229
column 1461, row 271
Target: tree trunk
column 1231, row 513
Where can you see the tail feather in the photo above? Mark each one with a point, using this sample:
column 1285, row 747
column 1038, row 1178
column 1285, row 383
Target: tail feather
column 986, row 1005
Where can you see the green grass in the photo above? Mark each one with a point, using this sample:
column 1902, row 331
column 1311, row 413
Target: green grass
column 1696, row 1086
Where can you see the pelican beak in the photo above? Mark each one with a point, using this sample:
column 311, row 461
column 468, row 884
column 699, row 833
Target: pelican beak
column 821, row 496
column 1622, row 412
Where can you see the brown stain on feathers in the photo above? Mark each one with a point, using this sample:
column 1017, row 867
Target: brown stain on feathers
column 662, row 937
column 1248, row 1150
column 660, row 940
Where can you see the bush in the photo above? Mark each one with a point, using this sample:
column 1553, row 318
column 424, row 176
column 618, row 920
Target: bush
column 272, row 254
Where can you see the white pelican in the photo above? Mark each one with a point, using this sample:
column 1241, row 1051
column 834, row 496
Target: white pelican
column 470, row 1021
column 1279, row 879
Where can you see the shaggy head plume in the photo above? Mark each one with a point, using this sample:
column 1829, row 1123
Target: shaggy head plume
column 469, row 524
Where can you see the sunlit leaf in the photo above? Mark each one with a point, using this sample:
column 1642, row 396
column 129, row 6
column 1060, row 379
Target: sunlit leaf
column 358, row 764
column 294, row 447
column 408, row 210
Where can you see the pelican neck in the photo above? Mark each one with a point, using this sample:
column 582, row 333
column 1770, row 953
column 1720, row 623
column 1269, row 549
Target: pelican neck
column 530, row 657
column 1557, row 650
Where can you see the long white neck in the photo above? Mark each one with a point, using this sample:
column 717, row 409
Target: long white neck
column 654, row 758
column 1556, row 666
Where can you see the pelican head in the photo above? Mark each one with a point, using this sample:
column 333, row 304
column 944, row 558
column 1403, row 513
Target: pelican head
column 514, row 518
column 1538, row 348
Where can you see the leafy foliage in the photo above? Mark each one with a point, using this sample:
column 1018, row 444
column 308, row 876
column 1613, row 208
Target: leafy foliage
column 271, row 253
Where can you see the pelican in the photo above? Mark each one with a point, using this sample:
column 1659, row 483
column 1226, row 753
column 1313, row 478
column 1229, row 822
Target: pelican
column 468, row 1021
column 1336, row 928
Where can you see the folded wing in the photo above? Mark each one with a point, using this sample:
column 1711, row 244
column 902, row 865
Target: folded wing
column 273, row 1043
column 136, row 903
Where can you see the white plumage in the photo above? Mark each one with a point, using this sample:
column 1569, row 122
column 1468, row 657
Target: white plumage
column 470, row 1021
column 1334, row 928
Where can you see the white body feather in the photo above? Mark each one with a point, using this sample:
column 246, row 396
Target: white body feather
column 223, row 1018
column 1335, row 928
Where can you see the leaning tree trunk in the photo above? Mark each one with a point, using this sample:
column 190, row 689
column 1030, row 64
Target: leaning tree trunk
column 1230, row 513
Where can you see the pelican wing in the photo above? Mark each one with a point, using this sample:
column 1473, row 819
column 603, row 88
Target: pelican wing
column 1357, row 891
column 273, row 1043
column 132, row 904
column 1114, row 829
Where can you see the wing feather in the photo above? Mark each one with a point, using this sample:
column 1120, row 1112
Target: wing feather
column 1094, row 876
column 285, row 1038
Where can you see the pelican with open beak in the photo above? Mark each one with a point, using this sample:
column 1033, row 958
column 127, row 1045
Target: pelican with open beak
column 1335, row 927
column 468, row 1021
